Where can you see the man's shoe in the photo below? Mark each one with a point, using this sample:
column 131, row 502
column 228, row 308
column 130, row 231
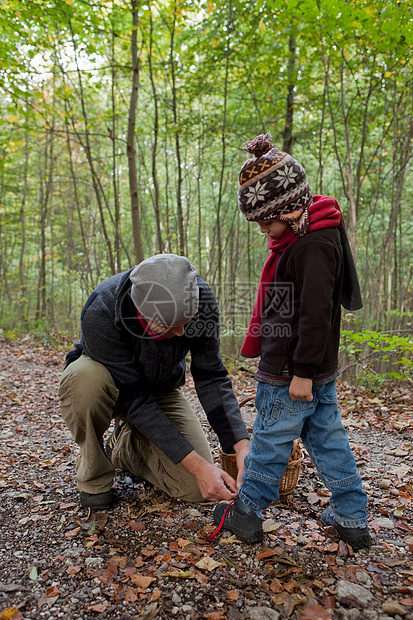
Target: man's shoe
column 110, row 444
column 245, row 526
column 98, row 501
column 357, row 537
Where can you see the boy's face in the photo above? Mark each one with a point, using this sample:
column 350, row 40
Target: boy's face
column 273, row 228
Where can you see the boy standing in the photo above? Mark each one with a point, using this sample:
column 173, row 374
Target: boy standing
column 295, row 328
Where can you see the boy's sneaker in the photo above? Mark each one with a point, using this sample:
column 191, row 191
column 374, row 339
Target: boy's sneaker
column 245, row 526
column 113, row 437
column 357, row 537
column 98, row 501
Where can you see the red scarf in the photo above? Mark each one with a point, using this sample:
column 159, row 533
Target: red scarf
column 147, row 329
column 323, row 213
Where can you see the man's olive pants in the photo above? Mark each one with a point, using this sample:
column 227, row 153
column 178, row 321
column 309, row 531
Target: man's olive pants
column 88, row 397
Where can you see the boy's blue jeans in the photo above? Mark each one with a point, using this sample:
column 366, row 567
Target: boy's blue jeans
column 279, row 421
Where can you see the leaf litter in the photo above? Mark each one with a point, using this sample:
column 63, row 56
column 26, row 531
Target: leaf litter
column 150, row 557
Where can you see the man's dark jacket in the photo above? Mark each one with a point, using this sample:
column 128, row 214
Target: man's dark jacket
column 143, row 367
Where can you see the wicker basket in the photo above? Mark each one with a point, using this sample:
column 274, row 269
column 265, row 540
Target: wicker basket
column 289, row 478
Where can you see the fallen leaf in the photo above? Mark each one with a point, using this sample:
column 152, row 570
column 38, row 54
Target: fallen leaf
column 11, row 587
column 266, row 553
column 178, row 573
column 292, row 586
column 136, row 526
column 52, row 591
column 100, row 608
column 112, row 568
column 207, row 563
column 229, row 541
column 130, row 595
column 393, row 562
column 150, row 611
column 329, row 600
column 312, row 525
column 269, row 525
column 118, row 560
column 63, row 506
column 276, row 586
column 288, row 601
column 215, row 615
column 398, row 512
column 232, row 595
column 158, row 507
column 314, row 612
column 11, row 613
column 142, row 581
column 156, row 595
column 33, row 574
column 164, row 558
column 343, row 548
column 183, row 542
column 231, row 563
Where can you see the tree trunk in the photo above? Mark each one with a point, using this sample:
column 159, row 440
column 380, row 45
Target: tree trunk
column 88, row 151
column 23, row 287
column 113, row 134
column 84, row 241
column 198, row 183
column 218, row 225
column 3, row 264
column 131, row 150
column 402, row 154
column 45, row 194
column 155, row 145
column 182, row 244
column 288, row 139
column 352, row 224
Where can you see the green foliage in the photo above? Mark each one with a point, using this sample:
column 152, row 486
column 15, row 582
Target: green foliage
column 378, row 356
column 220, row 75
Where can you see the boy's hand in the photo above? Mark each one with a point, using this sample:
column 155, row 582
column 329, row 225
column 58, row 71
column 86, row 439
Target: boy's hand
column 301, row 389
column 241, row 450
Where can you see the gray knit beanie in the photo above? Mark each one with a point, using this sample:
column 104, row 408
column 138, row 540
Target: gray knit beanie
column 164, row 289
column 273, row 185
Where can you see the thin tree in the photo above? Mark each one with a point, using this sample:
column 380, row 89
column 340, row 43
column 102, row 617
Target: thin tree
column 160, row 243
column 131, row 150
column 288, row 138
column 181, row 237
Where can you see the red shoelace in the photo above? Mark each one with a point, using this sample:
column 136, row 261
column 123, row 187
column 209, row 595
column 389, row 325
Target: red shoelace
column 221, row 523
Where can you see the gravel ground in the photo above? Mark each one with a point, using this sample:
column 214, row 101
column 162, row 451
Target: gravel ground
column 150, row 558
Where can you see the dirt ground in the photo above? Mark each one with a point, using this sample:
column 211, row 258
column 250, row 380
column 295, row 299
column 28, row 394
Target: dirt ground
column 150, row 558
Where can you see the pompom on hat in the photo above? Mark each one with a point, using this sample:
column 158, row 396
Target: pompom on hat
column 273, row 185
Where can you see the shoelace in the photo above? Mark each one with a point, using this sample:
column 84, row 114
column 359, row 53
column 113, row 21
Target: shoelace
column 221, row 523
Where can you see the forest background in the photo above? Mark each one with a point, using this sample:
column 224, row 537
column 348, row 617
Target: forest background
column 121, row 134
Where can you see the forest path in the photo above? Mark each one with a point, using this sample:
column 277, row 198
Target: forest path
column 149, row 558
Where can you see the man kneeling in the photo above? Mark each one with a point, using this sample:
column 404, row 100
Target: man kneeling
column 137, row 327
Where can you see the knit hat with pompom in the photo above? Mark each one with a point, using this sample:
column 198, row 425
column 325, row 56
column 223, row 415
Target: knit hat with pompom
column 273, row 185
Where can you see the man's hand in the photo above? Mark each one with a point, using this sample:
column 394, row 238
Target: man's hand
column 241, row 450
column 301, row 389
column 214, row 483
